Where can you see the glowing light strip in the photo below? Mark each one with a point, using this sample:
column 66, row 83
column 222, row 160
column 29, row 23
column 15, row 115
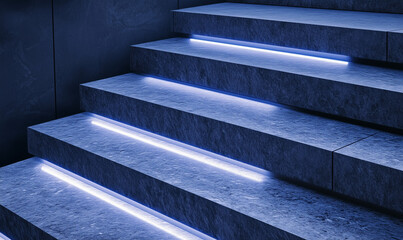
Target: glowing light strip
column 137, row 212
column 232, row 168
column 269, row 51
column 206, row 93
column 299, row 51
column 3, row 237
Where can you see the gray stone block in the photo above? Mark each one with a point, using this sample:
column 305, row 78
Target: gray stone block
column 395, row 46
column 36, row 205
column 355, row 34
column 286, row 142
column 214, row 201
column 360, row 92
column 372, row 169
column 390, row 6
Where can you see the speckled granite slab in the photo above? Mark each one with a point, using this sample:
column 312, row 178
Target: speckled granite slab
column 391, row 6
column 366, row 93
column 375, row 166
column 395, row 46
column 355, row 34
column 36, row 205
column 289, row 143
column 219, row 203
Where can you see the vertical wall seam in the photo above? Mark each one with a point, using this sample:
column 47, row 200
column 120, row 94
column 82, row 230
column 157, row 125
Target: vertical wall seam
column 54, row 57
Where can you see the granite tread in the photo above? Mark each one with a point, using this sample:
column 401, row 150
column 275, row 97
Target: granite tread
column 389, row 6
column 379, row 162
column 241, row 208
column 321, row 17
column 290, row 143
column 361, row 92
column 57, row 210
column 263, row 117
column 355, row 34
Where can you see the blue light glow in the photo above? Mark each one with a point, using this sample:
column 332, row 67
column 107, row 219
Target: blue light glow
column 135, row 209
column 3, row 237
column 182, row 149
column 211, row 94
column 299, row 53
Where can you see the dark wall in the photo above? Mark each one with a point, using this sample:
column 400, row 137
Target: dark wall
column 41, row 69
column 26, row 71
column 93, row 38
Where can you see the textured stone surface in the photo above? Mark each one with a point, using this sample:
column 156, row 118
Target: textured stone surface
column 392, row 6
column 365, row 93
column 395, row 46
column 219, row 203
column 26, row 70
column 375, row 166
column 356, row 34
column 287, row 142
column 93, row 37
column 57, row 210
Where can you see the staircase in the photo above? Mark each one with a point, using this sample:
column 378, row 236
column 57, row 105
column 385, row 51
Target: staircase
column 259, row 122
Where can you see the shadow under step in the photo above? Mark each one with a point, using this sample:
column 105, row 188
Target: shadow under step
column 355, row 34
column 360, row 92
column 36, row 205
column 216, row 202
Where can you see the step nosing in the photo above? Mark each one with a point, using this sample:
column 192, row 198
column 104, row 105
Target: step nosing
column 135, row 209
column 347, row 24
column 246, row 106
column 290, row 139
column 283, row 200
column 288, row 22
column 352, row 71
column 50, row 205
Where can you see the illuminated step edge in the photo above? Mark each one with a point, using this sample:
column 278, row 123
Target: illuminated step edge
column 129, row 206
column 215, row 160
column 3, row 237
column 292, row 52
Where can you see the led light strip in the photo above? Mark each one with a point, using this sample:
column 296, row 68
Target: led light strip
column 206, row 93
column 269, row 51
column 229, row 167
column 3, row 237
column 141, row 212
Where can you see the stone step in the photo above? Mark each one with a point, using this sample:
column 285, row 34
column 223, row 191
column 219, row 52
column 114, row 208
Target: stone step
column 201, row 189
column 290, row 143
column 360, row 92
column 388, row 6
column 36, row 203
column 356, row 34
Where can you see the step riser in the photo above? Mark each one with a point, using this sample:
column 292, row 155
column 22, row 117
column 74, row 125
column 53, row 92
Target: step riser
column 281, row 156
column 372, row 183
column 349, row 42
column 388, row 6
column 179, row 204
column 378, row 184
column 10, row 222
column 321, row 95
column 395, row 46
